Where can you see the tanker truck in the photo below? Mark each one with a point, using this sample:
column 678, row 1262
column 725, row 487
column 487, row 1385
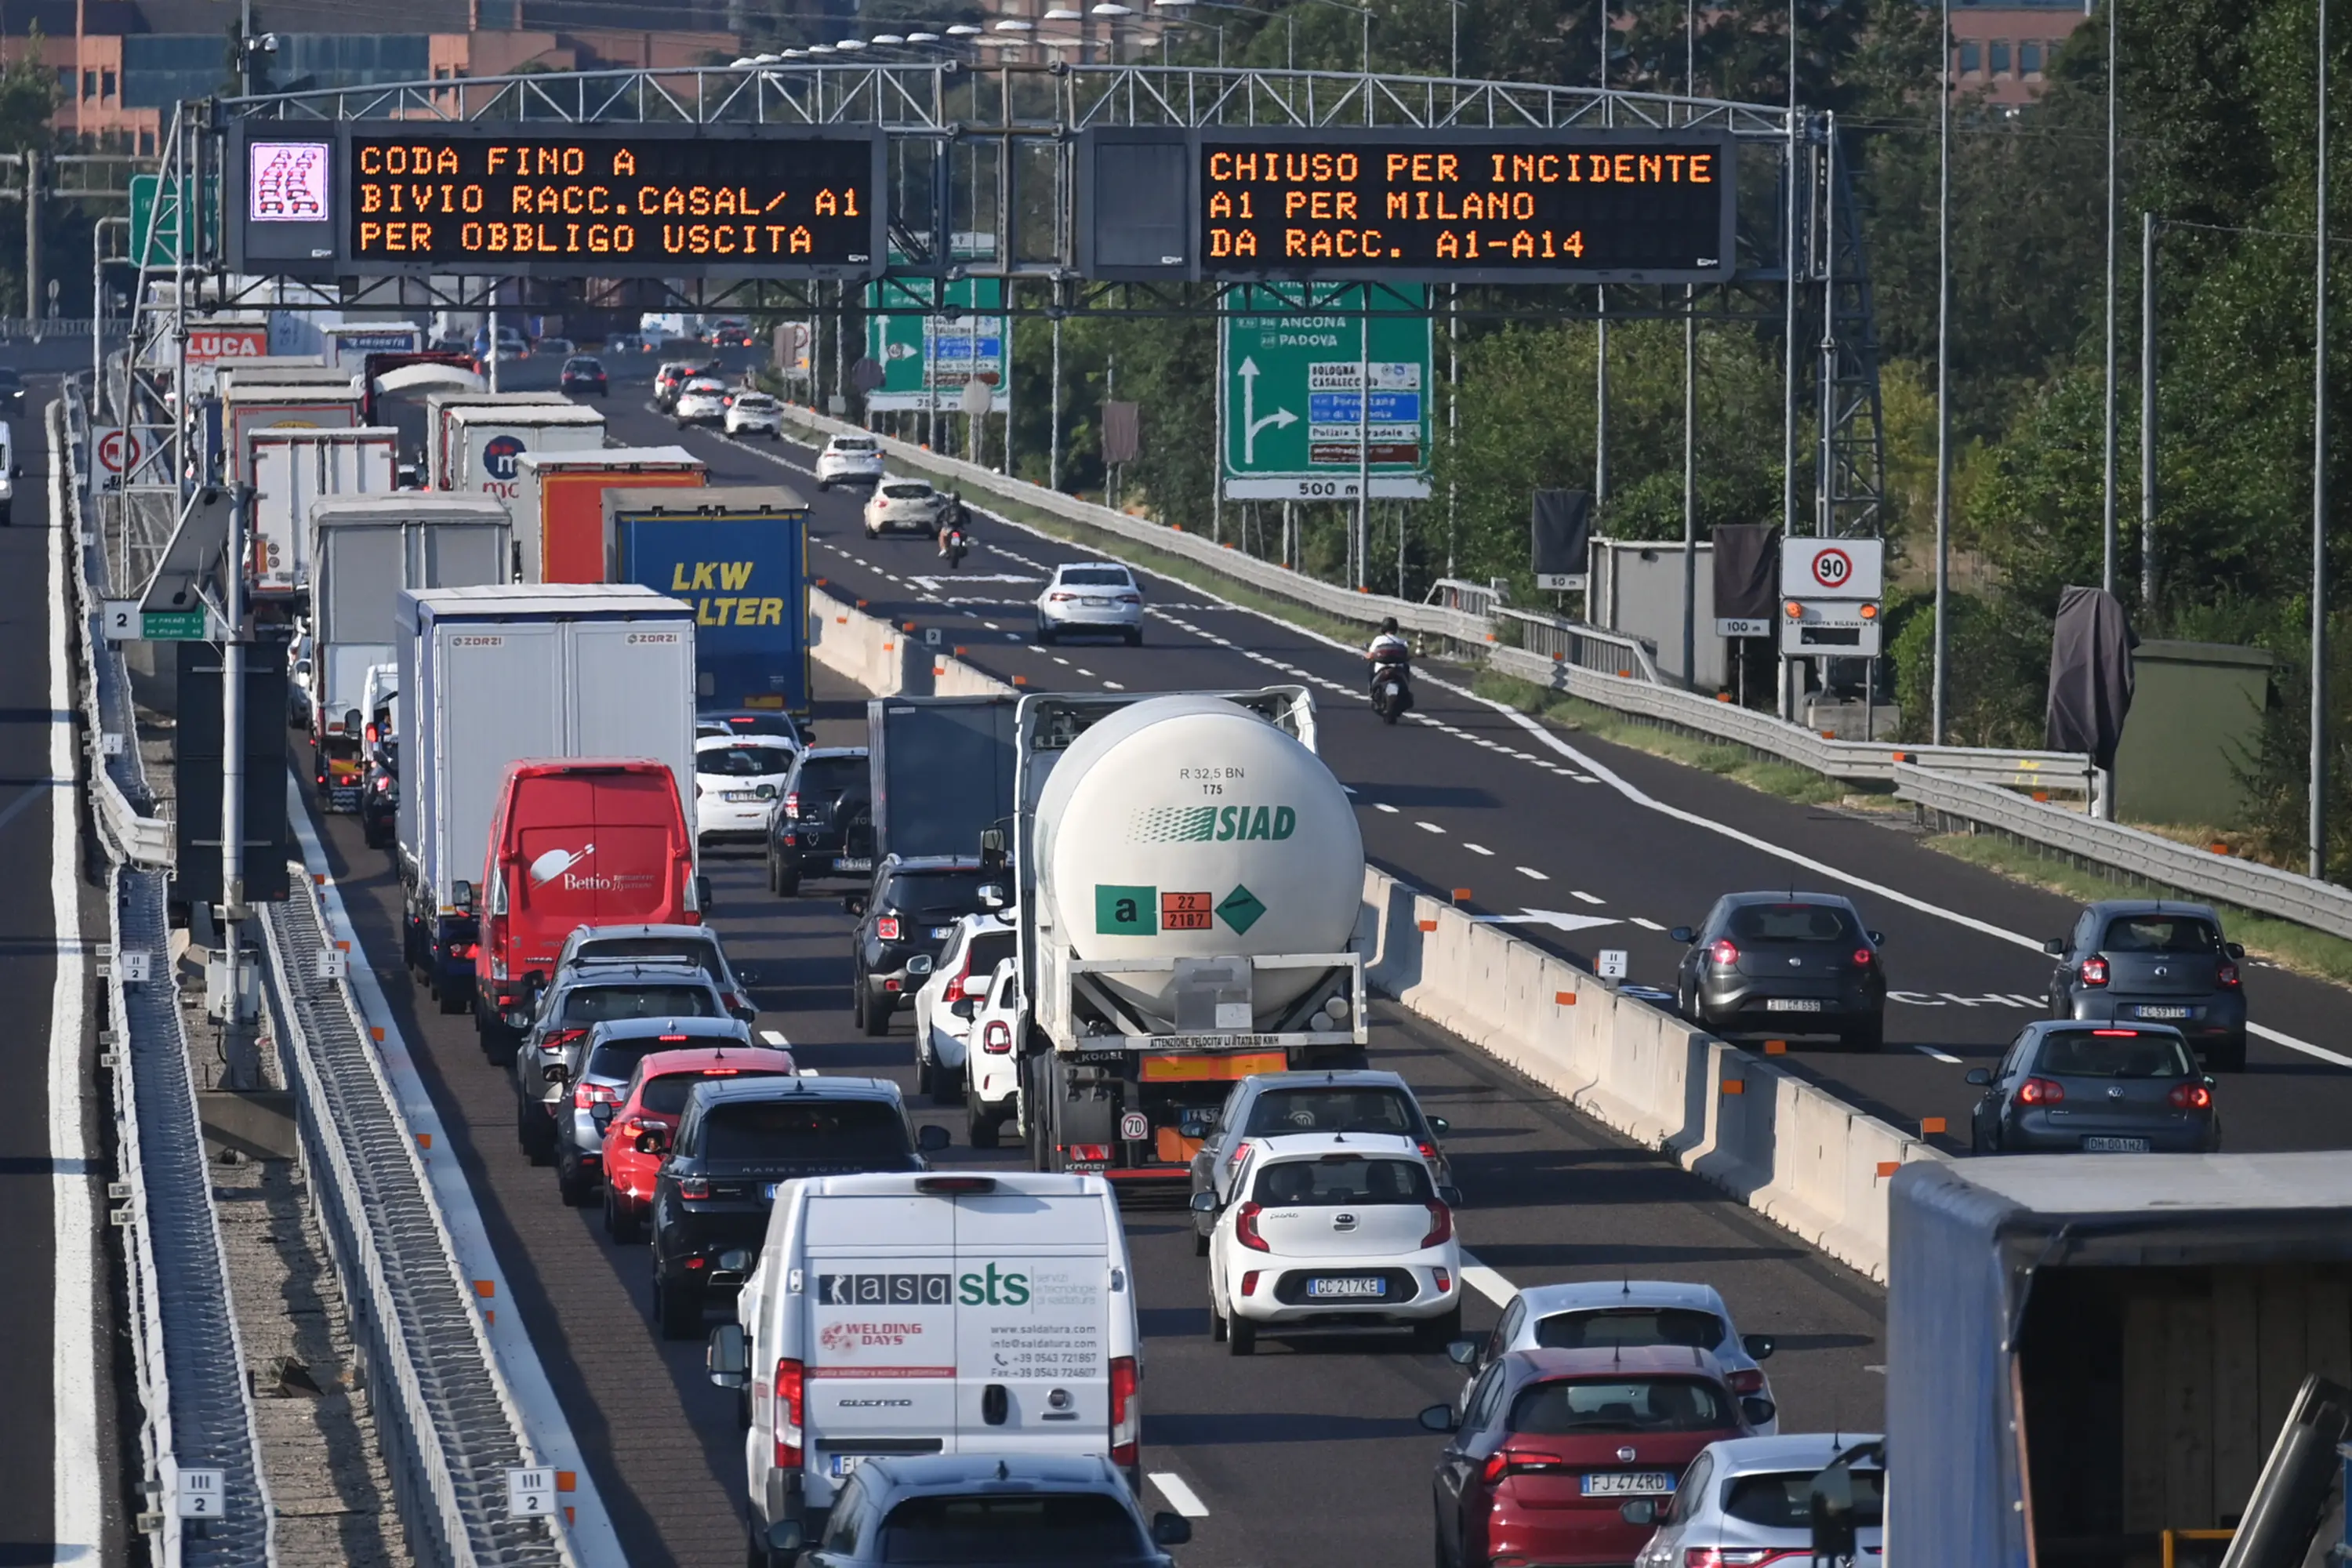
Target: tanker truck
column 1187, row 876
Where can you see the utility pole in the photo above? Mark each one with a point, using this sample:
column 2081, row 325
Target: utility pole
column 2107, row 535
column 1053, row 422
column 1942, row 675
column 1787, row 704
column 33, row 240
column 2147, row 227
column 1690, row 402
column 2318, row 803
column 233, row 718
column 1601, row 322
column 1363, row 433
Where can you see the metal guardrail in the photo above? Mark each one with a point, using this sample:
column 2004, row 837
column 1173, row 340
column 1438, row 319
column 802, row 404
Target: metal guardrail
column 446, row 1418
column 2248, row 884
column 1572, row 642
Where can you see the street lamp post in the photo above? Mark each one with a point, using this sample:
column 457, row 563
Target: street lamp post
column 2107, row 531
column 2318, row 803
column 1940, row 679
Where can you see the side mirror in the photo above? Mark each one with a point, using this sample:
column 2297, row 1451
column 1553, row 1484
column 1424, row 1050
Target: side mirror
column 785, row 1537
column 1462, row 1353
column 2055, row 947
column 736, row 1261
column 975, row 984
column 1877, row 938
column 1759, row 1347
column 652, row 1141
column 602, row 1115
column 1450, row 1196
column 992, row 895
column 1440, row 1418
column 554, row 1073
column 1204, row 1203
column 919, row 964
column 1439, row 1125
column 852, row 903
column 1758, row 1409
column 1170, row 1530
column 1640, row 1511
column 930, row 1140
column 1682, row 934
column 743, row 1015
column 728, row 1357
column 351, row 722
column 1981, row 1077
column 2234, row 949
column 461, row 893
column 702, row 893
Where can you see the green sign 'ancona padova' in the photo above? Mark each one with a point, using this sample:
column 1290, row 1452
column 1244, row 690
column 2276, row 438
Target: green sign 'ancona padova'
column 964, row 340
column 1294, row 367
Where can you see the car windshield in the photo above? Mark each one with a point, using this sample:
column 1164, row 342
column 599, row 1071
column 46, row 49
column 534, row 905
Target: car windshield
column 864, row 1133
column 905, row 492
column 708, row 386
column 987, row 949
column 755, row 400
column 666, row 1095
column 2161, row 933
column 937, row 894
column 1325, row 1108
column 592, row 1004
column 1627, row 1327
column 616, row 1060
column 1621, row 1405
column 702, row 955
column 1097, row 577
column 1331, row 1180
column 824, row 778
column 1785, row 1502
column 744, row 762
column 1082, row 1527
column 850, row 444
column 1791, row 922
column 584, row 363
column 2111, row 1053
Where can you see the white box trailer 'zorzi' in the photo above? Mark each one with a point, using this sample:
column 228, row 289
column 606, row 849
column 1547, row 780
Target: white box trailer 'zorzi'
column 293, row 469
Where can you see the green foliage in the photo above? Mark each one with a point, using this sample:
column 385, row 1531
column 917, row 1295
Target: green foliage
column 1999, row 663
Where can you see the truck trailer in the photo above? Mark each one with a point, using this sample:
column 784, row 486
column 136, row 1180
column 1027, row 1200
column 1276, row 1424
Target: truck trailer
column 559, row 504
column 484, row 440
column 496, row 674
column 293, row 471
column 740, row 555
column 246, row 406
column 441, row 453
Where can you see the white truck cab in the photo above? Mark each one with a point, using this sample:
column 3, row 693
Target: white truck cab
column 930, row 1313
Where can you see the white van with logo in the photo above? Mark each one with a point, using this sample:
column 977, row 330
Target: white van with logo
column 929, row 1313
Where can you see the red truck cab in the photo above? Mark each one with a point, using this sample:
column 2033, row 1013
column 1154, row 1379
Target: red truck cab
column 582, row 841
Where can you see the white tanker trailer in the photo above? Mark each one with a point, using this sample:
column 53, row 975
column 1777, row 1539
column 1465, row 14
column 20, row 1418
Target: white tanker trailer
column 1189, row 875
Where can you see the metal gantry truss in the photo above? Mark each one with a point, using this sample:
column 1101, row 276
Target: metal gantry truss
column 981, row 176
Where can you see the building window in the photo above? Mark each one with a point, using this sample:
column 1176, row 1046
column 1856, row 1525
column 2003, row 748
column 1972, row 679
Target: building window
column 2029, row 57
column 1971, row 62
column 2000, row 51
column 106, row 84
column 146, row 143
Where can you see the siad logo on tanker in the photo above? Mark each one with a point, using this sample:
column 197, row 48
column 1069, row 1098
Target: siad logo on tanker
column 1209, row 824
column 717, row 589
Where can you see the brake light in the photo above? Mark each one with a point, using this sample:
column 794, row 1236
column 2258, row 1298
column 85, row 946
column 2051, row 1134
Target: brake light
column 1126, row 1413
column 1250, row 1277
column 694, row 1189
column 673, row 1039
column 787, row 1415
column 588, row 1094
column 1725, row 952
column 2191, row 1096
column 1505, row 1462
column 370, row 733
column 1240, row 1152
column 1428, row 1149
column 383, row 783
column 886, row 928
column 1741, row 1556
column 2093, row 971
column 2227, row 974
column 996, row 1039
column 793, row 803
column 721, row 1072
column 1131, row 598
column 560, row 1038
column 2041, row 1092
column 631, row 1129
column 2117, row 1033
column 1441, row 1225
column 1748, row 1381
column 1862, row 957
column 1245, row 1227
column 1059, row 598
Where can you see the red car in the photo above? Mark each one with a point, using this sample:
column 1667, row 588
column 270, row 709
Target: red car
column 657, row 1098
column 1552, row 1444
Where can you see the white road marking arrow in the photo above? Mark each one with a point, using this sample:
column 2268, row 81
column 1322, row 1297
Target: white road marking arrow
column 1251, row 423
column 1553, row 918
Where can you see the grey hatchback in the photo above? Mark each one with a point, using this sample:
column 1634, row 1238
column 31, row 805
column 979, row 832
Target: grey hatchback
column 2065, row 1087
column 1790, row 962
column 982, row 1509
column 2155, row 960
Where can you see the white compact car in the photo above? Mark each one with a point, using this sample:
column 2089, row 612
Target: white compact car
column 702, row 401
column 849, row 461
column 903, row 504
column 1091, row 596
column 991, row 1059
column 737, row 780
column 1748, row 1500
column 755, row 413
column 945, row 1004
column 1334, row 1230
column 1599, row 1313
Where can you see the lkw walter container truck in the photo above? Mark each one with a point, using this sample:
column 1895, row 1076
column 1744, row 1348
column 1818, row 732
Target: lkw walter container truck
column 293, row 471
column 365, row 549
column 559, row 505
column 1187, row 875
column 493, row 676
column 485, row 442
column 739, row 554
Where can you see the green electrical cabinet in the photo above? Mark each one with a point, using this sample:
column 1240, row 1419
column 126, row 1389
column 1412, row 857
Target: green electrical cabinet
column 2195, row 719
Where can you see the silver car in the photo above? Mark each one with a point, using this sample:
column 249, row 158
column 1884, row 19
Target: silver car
column 902, row 504
column 1099, row 596
column 848, row 460
column 597, row 1071
column 1599, row 1313
column 1747, row 1500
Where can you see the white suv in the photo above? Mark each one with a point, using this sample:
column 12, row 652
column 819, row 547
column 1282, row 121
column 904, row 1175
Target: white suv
column 1091, row 596
column 848, row 460
column 755, row 411
column 992, row 1058
column 945, row 1006
column 701, row 401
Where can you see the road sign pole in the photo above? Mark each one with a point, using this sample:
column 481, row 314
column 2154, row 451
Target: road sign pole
column 1363, row 429
column 233, row 751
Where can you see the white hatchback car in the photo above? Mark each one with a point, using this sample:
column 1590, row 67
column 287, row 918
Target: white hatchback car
column 945, row 1004
column 992, row 1060
column 903, row 504
column 702, row 401
column 1091, row 596
column 1334, row 1230
column 849, row 461
column 737, row 780
column 755, row 413
column 1748, row 1500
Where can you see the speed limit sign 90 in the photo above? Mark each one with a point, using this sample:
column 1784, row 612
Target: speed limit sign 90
column 1833, row 569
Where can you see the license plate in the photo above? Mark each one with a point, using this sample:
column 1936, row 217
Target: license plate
column 2114, row 1146
column 739, row 796
column 940, row 933
column 1329, row 1287
column 2165, row 1012
column 1792, row 1005
column 844, row 1464
column 1094, row 604
column 1623, row 1483
column 852, row 863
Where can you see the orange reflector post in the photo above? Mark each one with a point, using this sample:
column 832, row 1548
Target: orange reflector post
column 1426, row 925
column 906, row 627
column 1776, row 1047
column 424, row 1140
column 1020, row 681
column 958, row 653
column 567, row 1481
column 375, row 1034
column 1734, row 1085
column 1930, row 1125
column 1888, row 1167
column 1564, row 998
column 939, row 669
column 1461, row 895
column 485, row 1287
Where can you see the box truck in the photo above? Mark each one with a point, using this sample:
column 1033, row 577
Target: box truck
column 740, row 555
column 559, row 504
column 485, row 441
column 350, row 342
column 248, row 407
column 292, row 470
column 364, row 552
column 496, row 674
column 440, row 404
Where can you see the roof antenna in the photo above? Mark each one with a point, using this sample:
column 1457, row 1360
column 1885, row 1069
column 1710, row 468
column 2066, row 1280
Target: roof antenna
column 1625, row 1285
column 1002, row 1474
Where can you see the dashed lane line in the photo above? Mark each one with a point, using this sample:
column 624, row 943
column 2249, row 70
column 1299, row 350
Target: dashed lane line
column 1581, row 897
column 1428, row 826
column 1475, row 848
column 1181, row 1498
column 1940, row 1056
column 1531, row 873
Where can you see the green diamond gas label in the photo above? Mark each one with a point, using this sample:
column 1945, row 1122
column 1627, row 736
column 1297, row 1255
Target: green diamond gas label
column 1127, row 910
column 1241, row 910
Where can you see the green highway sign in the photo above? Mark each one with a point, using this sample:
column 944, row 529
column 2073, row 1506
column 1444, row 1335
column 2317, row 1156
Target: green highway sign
column 1294, row 423
column 172, row 626
column 965, row 338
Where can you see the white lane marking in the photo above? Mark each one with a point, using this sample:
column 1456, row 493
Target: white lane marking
column 1060, row 660
column 1181, row 1498
column 1383, row 805
column 1475, row 848
column 1940, row 1056
column 1487, row 1282
column 1581, row 897
column 991, row 625
column 775, row 1037
column 1531, row 872
column 1647, row 925
column 1090, row 674
column 1428, row 826
column 76, row 1517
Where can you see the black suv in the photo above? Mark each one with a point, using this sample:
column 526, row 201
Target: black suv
column 738, row 1139
column 825, row 824
column 904, row 920
column 585, row 372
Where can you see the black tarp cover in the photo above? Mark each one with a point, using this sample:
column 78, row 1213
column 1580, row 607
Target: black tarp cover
column 1561, row 529
column 1747, row 571
column 2090, row 674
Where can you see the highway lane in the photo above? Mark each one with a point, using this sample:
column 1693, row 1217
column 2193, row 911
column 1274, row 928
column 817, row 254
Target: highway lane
column 1539, row 830
column 1306, row 1454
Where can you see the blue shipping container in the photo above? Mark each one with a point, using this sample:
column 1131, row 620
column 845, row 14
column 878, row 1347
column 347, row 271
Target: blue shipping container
column 739, row 554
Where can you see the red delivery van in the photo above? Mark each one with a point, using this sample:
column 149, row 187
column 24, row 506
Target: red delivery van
column 581, row 841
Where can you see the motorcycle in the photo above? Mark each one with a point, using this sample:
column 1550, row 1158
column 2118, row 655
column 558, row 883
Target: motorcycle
column 1391, row 689
column 954, row 545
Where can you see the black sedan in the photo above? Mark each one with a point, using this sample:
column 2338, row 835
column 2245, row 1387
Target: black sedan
column 903, row 922
column 585, row 373
column 1784, row 963
column 2066, row 1086
column 2151, row 960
